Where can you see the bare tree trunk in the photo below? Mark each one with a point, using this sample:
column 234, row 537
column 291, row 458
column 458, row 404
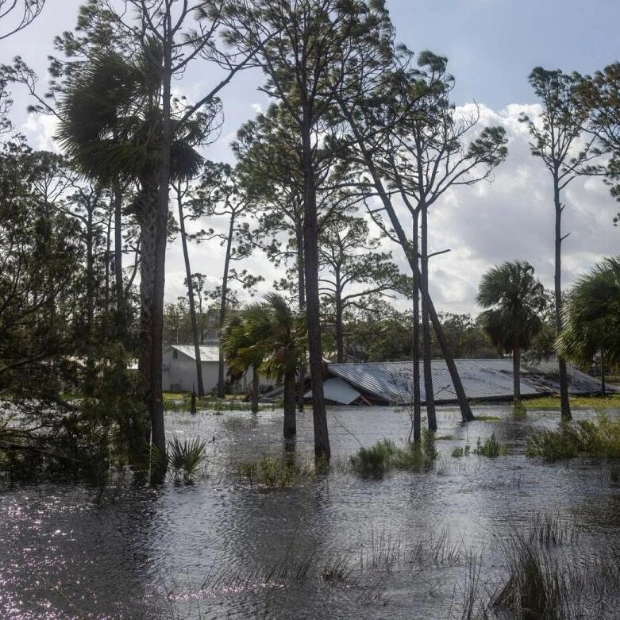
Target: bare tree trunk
column 190, row 295
column 301, row 372
column 255, row 389
column 417, row 397
column 564, row 400
column 290, row 422
column 466, row 412
column 311, row 260
column 429, row 394
column 516, row 373
column 221, row 386
column 118, row 248
column 339, row 320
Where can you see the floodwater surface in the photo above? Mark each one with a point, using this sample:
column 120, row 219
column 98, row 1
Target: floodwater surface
column 410, row 545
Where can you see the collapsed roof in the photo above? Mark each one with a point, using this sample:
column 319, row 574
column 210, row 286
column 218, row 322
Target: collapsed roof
column 483, row 379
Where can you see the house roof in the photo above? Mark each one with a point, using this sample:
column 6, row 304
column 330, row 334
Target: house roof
column 482, row 379
column 208, row 353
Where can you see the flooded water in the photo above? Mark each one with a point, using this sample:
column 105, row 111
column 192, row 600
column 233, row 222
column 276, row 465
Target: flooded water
column 334, row 546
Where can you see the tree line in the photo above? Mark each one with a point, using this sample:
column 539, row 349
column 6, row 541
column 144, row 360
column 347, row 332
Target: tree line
column 361, row 133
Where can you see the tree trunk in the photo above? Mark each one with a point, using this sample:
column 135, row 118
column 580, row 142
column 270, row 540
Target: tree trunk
column 155, row 398
column 564, row 400
column 255, row 389
column 429, row 394
column 221, row 391
column 339, row 320
column 190, row 295
column 311, row 260
column 118, row 250
column 466, row 412
column 301, row 371
column 516, row 372
column 91, row 371
column 417, row 397
column 290, row 422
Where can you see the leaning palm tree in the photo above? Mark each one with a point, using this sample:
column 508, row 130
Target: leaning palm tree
column 272, row 338
column 514, row 299
column 592, row 316
column 111, row 125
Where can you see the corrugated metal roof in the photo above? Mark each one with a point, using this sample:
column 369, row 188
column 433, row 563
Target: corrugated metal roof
column 338, row 391
column 208, row 353
column 391, row 381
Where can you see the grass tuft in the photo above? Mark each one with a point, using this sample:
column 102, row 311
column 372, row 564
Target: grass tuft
column 490, row 448
column 598, row 438
column 384, row 456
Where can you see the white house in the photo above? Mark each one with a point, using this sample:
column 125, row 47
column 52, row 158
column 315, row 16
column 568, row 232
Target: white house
column 179, row 368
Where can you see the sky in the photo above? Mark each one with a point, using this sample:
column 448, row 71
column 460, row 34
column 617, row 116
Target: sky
column 492, row 46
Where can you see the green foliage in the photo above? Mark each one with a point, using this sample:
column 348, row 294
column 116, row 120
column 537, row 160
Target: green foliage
column 272, row 472
column 186, row 458
column 514, row 299
column 598, row 438
column 592, row 315
column 384, row 456
column 491, row 447
column 535, row 586
column 459, row 452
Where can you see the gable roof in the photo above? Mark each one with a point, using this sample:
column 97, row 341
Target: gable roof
column 208, row 352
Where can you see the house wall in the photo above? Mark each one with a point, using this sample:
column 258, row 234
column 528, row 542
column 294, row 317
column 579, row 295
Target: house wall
column 179, row 375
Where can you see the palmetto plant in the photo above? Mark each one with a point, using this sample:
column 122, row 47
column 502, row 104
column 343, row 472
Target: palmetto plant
column 186, row 457
column 271, row 338
column 513, row 299
column 592, row 315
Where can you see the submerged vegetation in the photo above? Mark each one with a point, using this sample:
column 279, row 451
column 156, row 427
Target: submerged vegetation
column 598, row 438
column 384, row 456
column 272, row 472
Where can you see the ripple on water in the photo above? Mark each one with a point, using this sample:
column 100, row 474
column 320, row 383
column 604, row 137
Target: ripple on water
column 220, row 548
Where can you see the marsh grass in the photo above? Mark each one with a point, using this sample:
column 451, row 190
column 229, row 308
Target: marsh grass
column 548, row 577
column 384, row 456
column 536, row 586
column 598, row 438
column 337, row 570
column 490, row 447
column 460, row 452
column 585, row 402
column 271, row 472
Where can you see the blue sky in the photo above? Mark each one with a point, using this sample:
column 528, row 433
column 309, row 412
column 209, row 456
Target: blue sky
column 492, row 46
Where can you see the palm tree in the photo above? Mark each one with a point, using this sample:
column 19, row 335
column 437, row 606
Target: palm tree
column 271, row 338
column 111, row 125
column 592, row 316
column 513, row 299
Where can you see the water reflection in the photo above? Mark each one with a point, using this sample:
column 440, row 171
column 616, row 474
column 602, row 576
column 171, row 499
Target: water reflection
column 333, row 546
